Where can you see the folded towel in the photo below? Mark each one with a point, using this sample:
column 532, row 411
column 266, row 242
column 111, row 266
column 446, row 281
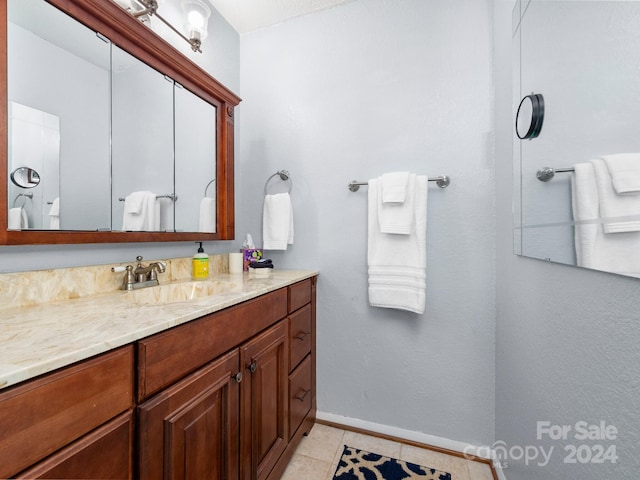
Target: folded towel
column 619, row 213
column 54, row 215
column 617, row 253
column 207, row 221
column 17, row 219
column 277, row 222
column 147, row 219
column 134, row 203
column 397, row 263
column 397, row 218
column 394, row 187
column 624, row 169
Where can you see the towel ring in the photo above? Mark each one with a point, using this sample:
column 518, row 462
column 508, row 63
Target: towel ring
column 30, row 195
column 207, row 187
column 284, row 176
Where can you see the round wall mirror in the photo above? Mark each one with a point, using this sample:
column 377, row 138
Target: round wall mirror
column 530, row 116
column 25, row 177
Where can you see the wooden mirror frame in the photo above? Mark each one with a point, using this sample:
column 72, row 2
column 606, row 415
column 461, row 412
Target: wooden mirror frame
column 132, row 36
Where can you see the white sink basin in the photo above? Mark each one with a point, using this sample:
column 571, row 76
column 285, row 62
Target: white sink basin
column 180, row 292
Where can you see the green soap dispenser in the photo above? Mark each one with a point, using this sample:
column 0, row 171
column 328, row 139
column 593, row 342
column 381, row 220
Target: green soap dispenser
column 200, row 265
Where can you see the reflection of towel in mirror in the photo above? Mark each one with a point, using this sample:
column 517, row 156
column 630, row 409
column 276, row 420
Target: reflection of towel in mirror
column 147, row 218
column 54, row 215
column 277, row 222
column 617, row 253
column 624, row 169
column 397, row 262
column 619, row 213
column 207, row 221
column 17, row 219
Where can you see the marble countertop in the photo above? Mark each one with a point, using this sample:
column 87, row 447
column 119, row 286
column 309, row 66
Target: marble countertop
column 39, row 339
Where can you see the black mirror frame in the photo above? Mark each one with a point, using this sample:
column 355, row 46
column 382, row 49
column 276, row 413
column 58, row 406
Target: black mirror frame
column 537, row 116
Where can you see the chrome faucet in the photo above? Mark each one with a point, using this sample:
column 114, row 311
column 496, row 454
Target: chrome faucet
column 142, row 276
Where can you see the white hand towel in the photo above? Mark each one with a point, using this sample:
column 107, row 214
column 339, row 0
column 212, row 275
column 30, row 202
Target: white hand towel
column 624, row 169
column 277, row 222
column 394, row 187
column 17, row 219
column 152, row 223
column 133, row 204
column 207, row 215
column 617, row 253
column 397, row 263
column 54, row 215
column 398, row 218
column 146, row 219
column 619, row 213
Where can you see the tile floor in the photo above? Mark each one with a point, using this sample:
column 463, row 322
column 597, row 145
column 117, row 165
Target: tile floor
column 317, row 456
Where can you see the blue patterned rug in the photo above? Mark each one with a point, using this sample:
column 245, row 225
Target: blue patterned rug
column 360, row 465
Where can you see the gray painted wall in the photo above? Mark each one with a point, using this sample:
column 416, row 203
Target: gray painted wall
column 351, row 93
column 567, row 339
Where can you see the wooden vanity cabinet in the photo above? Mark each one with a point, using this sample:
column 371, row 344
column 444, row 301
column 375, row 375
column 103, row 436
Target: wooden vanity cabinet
column 228, row 414
column 73, row 423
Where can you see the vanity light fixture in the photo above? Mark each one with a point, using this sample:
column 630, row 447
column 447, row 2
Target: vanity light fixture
column 196, row 15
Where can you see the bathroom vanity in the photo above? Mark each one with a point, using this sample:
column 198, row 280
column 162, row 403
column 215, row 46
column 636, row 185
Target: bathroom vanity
column 225, row 394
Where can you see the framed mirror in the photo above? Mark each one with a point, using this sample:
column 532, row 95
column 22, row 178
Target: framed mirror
column 135, row 116
column 568, row 205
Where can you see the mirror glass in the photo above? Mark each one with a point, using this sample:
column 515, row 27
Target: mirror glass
column 135, row 150
column 590, row 139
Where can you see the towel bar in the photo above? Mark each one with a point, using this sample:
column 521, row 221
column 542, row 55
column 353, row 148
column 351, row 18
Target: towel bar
column 172, row 196
column 547, row 173
column 442, row 181
column 284, row 176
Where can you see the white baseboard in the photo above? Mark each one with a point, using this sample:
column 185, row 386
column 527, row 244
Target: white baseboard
column 434, row 441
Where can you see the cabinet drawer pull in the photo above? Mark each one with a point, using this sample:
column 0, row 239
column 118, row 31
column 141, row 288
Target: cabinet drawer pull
column 253, row 367
column 238, row 377
column 303, row 395
column 302, row 335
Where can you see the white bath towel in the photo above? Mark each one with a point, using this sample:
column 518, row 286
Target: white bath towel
column 397, row 263
column 619, row 213
column 277, row 222
column 148, row 217
column 54, row 215
column 18, row 219
column 619, row 253
column 398, row 218
column 394, row 187
column 207, row 215
column 624, row 169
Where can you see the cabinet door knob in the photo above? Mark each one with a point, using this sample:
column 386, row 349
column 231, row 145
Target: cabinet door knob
column 238, row 377
column 303, row 395
column 253, row 367
column 302, row 335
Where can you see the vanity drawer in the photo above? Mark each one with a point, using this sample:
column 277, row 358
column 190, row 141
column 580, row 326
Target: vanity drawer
column 105, row 453
column 299, row 335
column 299, row 294
column 300, row 395
column 168, row 356
column 46, row 414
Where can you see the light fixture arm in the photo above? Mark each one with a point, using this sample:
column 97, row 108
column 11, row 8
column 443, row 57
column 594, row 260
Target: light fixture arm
column 151, row 9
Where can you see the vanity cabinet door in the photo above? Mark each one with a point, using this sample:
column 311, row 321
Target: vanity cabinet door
column 265, row 409
column 190, row 430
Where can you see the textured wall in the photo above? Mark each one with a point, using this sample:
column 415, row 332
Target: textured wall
column 350, row 93
column 567, row 341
